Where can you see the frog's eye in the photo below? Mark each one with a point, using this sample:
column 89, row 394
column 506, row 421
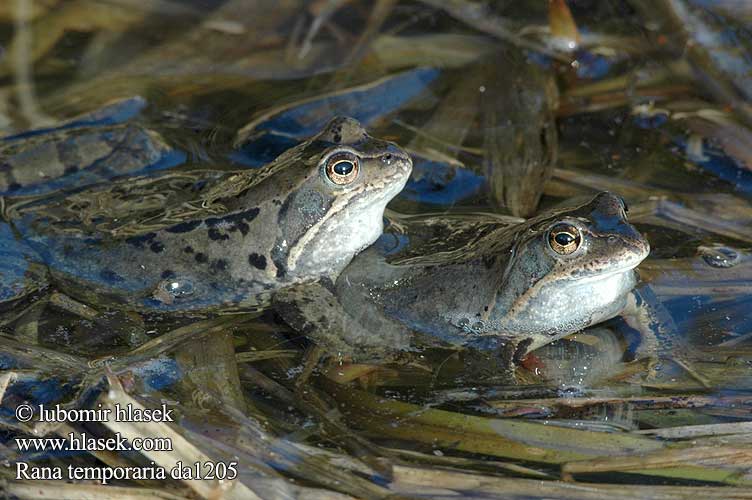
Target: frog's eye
column 342, row 168
column 564, row 239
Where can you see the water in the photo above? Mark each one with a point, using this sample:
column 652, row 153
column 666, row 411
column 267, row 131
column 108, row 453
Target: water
column 228, row 85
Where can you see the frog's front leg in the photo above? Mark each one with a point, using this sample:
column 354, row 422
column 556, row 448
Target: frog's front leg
column 659, row 335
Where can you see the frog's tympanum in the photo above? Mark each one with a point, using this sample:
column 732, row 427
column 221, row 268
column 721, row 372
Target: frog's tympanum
column 211, row 240
column 479, row 281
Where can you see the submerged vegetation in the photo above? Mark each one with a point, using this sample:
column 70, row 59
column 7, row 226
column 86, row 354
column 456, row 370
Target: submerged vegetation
column 507, row 109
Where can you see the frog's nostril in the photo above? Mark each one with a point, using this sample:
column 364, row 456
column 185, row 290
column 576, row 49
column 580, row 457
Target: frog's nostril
column 387, row 159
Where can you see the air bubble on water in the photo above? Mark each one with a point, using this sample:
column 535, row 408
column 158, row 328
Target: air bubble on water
column 719, row 256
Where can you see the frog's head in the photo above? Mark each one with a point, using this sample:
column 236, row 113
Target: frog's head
column 337, row 207
column 570, row 269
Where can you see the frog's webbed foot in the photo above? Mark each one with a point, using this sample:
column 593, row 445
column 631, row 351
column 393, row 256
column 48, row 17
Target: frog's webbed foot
column 504, row 358
column 498, row 362
column 312, row 357
column 660, row 340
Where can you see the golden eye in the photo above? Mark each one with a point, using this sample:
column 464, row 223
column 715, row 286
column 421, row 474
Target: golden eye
column 564, row 239
column 342, row 168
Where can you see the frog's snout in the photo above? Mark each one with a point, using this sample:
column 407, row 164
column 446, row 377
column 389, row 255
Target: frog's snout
column 640, row 245
column 632, row 242
column 609, row 213
column 395, row 157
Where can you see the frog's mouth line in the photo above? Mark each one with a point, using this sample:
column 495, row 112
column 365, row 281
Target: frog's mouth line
column 609, row 274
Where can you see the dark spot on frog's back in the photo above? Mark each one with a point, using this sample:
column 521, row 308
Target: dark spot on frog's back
column 215, row 235
column 183, row 227
column 156, row 247
column 110, row 276
column 257, row 261
column 232, row 222
column 244, row 216
column 489, row 261
column 242, row 227
column 142, row 240
column 219, row 265
column 201, row 258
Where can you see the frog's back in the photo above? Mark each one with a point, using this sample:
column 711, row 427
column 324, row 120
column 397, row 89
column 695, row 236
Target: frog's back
column 440, row 238
column 176, row 245
column 427, row 267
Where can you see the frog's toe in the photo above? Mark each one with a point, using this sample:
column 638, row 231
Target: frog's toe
column 496, row 365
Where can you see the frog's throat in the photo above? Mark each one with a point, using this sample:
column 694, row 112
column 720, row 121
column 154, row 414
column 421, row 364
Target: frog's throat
column 340, row 204
column 605, row 288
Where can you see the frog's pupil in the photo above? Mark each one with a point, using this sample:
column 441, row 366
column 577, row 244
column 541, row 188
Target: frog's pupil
column 564, row 239
column 343, row 167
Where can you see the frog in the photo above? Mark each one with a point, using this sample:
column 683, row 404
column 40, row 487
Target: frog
column 99, row 145
column 213, row 240
column 482, row 282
